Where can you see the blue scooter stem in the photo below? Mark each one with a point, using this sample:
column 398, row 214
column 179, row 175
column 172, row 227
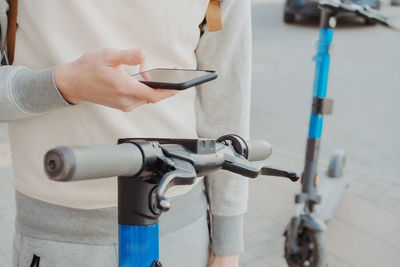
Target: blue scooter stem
column 138, row 245
column 321, row 79
column 322, row 59
column 138, row 240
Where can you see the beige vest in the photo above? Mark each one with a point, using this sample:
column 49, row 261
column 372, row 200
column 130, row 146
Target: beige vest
column 53, row 32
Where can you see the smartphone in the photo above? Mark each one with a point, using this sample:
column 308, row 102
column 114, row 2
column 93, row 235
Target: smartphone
column 175, row 79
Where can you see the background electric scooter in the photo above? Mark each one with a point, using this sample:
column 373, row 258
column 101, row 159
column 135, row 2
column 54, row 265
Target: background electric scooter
column 304, row 244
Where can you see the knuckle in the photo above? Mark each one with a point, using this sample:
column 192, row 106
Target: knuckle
column 120, row 91
column 106, row 52
column 153, row 98
column 127, row 56
column 125, row 106
column 140, row 53
column 119, row 88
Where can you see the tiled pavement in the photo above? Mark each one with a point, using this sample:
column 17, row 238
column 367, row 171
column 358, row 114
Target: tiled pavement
column 364, row 232
column 366, row 229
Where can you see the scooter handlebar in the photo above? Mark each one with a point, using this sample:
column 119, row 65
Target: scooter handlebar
column 258, row 150
column 126, row 159
column 92, row 162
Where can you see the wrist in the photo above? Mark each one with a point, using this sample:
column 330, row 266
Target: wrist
column 64, row 79
column 223, row 261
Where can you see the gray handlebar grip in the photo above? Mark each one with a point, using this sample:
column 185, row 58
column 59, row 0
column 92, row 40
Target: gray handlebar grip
column 81, row 163
column 258, row 150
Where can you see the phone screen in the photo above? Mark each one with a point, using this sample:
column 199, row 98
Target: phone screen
column 170, row 75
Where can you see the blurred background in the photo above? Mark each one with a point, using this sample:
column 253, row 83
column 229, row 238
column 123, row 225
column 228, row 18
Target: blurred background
column 365, row 85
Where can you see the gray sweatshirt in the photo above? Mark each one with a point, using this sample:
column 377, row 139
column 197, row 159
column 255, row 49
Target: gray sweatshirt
column 221, row 107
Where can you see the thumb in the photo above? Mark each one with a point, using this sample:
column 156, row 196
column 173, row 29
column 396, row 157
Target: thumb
column 129, row 57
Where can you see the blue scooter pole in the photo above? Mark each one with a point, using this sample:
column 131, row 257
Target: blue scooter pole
column 137, row 224
column 321, row 106
column 138, row 245
column 321, row 79
column 138, row 212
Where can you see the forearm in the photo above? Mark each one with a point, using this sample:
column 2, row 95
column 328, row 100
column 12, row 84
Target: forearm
column 25, row 93
column 223, row 106
column 95, row 77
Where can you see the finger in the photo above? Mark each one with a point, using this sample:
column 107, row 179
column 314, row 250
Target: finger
column 143, row 68
column 160, row 94
column 145, row 75
column 143, row 65
column 129, row 57
column 151, row 95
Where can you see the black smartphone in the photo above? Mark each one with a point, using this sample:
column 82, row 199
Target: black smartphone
column 175, row 79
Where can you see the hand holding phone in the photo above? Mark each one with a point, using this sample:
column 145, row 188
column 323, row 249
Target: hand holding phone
column 97, row 77
column 175, row 79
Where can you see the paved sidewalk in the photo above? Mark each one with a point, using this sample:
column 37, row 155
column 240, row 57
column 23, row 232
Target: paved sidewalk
column 366, row 229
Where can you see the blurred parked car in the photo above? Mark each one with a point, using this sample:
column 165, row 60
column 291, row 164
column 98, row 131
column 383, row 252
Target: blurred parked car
column 309, row 8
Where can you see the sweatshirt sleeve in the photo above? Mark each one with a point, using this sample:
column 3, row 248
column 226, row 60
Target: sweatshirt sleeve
column 25, row 93
column 223, row 107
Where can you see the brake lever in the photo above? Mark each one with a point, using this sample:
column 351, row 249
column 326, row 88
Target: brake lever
column 185, row 166
column 184, row 174
column 243, row 167
column 293, row 176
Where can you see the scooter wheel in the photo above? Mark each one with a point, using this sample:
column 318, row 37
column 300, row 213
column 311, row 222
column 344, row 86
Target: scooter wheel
column 311, row 250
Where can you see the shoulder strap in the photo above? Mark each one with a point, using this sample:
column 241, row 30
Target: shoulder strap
column 11, row 29
column 213, row 16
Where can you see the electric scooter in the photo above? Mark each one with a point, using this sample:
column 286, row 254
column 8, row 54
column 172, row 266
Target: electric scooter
column 146, row 169
column 320, row 195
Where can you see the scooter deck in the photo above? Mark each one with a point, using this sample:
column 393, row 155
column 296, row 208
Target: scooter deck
column 331, row 191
